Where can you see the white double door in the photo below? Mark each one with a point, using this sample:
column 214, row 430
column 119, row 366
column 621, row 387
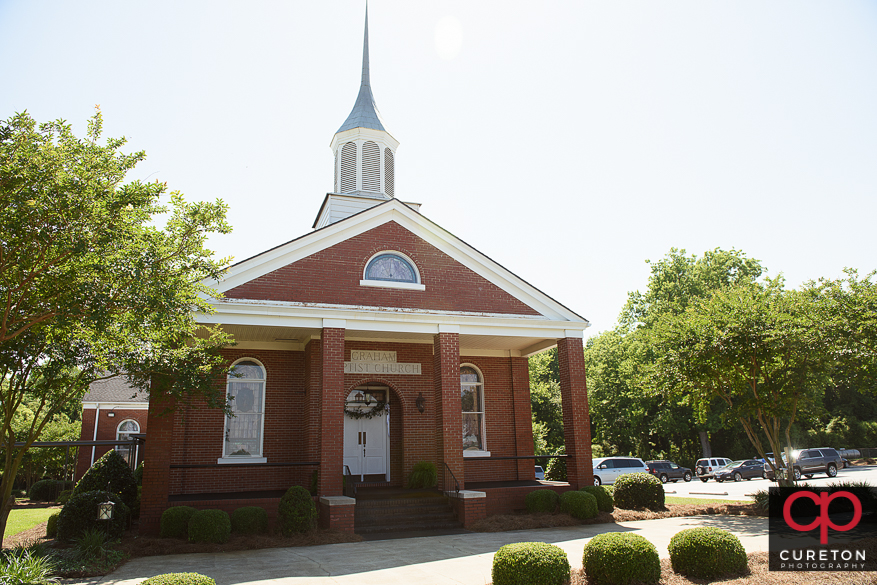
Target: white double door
column 366, row 445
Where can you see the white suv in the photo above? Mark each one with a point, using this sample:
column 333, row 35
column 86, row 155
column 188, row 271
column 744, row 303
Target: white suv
column 607, row 469
column 706, row 468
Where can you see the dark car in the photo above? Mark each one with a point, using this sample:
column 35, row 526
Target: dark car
column 811, row 461
column 743, row 469
column 668, row 471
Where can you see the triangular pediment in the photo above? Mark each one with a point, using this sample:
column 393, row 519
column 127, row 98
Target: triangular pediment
column 325, row 267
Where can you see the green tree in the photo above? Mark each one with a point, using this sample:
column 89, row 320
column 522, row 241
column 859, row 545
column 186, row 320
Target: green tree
column 91, row 284
column 752, row 346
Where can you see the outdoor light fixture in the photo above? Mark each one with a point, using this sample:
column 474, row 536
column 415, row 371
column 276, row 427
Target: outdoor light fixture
column 360, row 397
column 420, row 403
column 105, row 510
column 111, row 414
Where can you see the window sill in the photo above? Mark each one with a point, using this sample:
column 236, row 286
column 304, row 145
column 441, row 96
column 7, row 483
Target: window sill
column 241, row 460
column 471, row 453
column 391, row 284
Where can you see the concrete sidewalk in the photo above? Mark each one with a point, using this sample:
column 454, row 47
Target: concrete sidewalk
column 433, row 560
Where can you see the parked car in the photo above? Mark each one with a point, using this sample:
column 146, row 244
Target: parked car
column 668, row 471
column 607, row 469
column 743, row 469
column 809, row 462
column 706, row 468
column 540, row 473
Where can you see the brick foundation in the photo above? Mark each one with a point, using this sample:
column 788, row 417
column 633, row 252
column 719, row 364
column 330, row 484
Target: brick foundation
column 337, row 513
column 470, row 507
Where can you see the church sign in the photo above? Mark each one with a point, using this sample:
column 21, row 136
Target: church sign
column 378, row 362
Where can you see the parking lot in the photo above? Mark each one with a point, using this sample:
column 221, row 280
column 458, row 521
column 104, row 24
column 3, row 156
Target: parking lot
column 731, row 490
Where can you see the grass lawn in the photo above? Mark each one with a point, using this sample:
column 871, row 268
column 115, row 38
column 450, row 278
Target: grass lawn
column 25, row 519
column 682, row 501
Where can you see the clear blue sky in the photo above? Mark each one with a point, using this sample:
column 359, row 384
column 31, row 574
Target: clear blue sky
column 569, row 141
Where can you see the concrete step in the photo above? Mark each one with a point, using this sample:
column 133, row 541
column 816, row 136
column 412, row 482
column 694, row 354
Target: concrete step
column 408, row 526
column 404, row 514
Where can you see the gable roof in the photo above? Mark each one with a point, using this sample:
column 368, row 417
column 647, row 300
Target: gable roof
column 115, row 389
column 395, row 210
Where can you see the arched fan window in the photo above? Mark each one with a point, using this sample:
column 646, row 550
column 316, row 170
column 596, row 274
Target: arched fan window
column 391, row 267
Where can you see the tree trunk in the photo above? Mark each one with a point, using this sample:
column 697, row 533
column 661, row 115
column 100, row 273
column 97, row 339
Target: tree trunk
column 705, row 444
column 5, row 509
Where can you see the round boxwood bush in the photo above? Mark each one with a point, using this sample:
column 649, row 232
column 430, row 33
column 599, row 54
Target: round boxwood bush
column 541, row 501
column 64, row 496
column 45, row 490
column 52, row 525
column 138, row 474
column 249, row 520
column 110, row 470
column 179, row 579
column 581, row 505
column 639, row 491
column 422, row 476
column 174, row 522
column 297, row 512
column 80, row 514
column 209, row 526
column 530, row 563
column 604, row 498
column 618, row 558
column 706, row 553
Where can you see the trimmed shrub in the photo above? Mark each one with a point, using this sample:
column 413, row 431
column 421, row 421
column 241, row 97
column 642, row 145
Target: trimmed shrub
column 209, row 526
column 249, row 520
column 541, row 501
column 138, row 473
column 556, row 470
column 297, row 512
column 179, row 579
column 52, row 525
column 581, row 505
column 64, row 496
column 618, row 558
column 530, row 563
column 639, row 491
column 80, row 514
column 45, row 490
column 174, row 522
column 604, row 498
column 706, row 553
column 422, row 476
column 110, row 470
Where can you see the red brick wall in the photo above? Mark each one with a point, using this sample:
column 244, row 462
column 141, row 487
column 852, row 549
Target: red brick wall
column 447, row 434
column 156, row 473
column 295, row 416
column 106, row 431
column 332, row 276
column 510, row 499
column 332, row 412
column 576, row 420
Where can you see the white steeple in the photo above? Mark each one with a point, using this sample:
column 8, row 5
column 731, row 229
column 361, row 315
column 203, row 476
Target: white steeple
column 364, row 151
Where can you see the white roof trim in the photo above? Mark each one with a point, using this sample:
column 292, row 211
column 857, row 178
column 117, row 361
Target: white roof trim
column 395, row 210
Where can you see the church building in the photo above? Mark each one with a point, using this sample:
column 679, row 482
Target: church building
column 377, row 341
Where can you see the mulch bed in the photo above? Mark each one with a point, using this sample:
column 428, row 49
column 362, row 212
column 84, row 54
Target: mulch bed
column 758, row 575
column 524, row 521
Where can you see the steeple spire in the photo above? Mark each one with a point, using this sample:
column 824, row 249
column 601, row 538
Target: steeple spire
column 365, row 112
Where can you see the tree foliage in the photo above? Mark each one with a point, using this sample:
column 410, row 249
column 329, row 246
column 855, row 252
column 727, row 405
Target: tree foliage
column 92, row 285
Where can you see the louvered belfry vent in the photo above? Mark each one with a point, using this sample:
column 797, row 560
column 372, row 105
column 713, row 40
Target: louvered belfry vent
column 388, row 172
column 371, row 167
column 348, row 168
column 337, row 182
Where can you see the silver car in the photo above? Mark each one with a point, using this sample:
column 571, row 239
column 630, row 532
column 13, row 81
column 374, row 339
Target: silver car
column 608, row 469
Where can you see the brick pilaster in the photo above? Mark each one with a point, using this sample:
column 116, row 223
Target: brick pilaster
column 523, row 417
column 156, row 471
column 448, row 420
column 331, row 411
column 576, row 420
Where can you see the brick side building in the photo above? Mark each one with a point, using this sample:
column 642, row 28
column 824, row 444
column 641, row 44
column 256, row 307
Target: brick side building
column 111, row 411
column 376, row 341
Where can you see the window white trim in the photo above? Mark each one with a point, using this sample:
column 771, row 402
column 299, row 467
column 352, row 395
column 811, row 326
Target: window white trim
column 225, row 459
column 241, row 460
column 391, row 284
column 405, row 257
column 483, row 452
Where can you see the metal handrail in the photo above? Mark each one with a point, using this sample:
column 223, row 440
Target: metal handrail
column 450, row 475
column 349, row 484
column 516, row 457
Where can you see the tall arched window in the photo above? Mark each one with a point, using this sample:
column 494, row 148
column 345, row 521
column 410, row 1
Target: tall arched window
column 246, row 398
column 472, row 402
column 124, row 431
